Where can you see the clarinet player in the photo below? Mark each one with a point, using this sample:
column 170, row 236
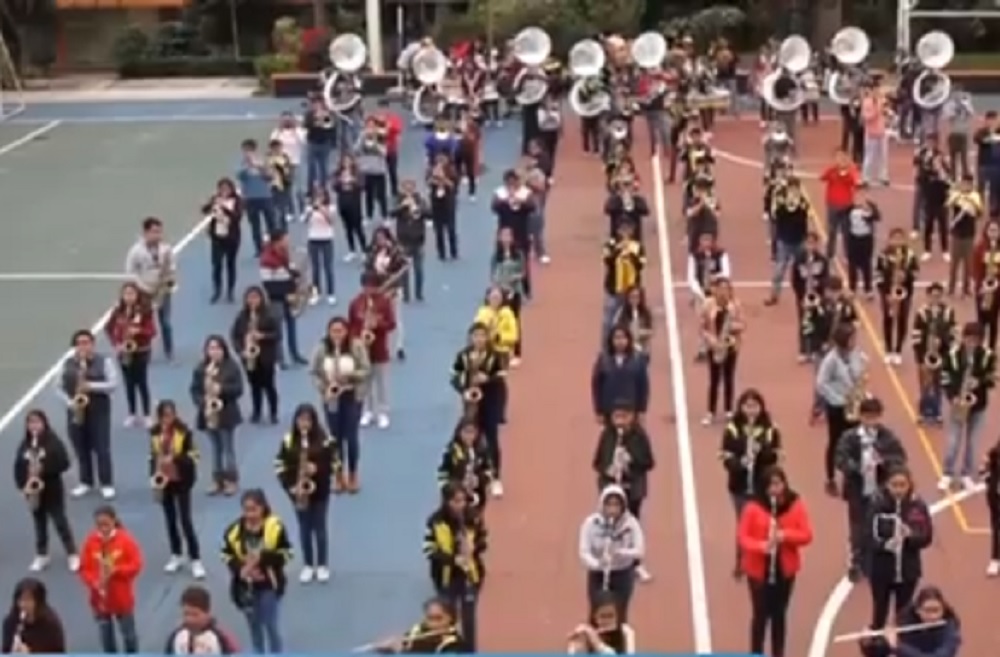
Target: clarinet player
column 32, row 626
column 85, row 385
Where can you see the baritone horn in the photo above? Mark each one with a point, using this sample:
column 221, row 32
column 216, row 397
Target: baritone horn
column 850, row 47
column 932, row 88
column 794, row 56
column 588, row 96
column 531, row 48
column 429, row 66
column 342, row 89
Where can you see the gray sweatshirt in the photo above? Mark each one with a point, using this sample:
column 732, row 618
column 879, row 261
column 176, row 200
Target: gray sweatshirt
column 370, row 155
column 838, row 374
column 612, row 544
column 960, row 115
column 145, row 264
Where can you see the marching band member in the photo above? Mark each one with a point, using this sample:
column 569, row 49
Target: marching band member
column 620, row 373
column 939, row 634
column 392, row 131
column 934, row 330
column 751, row 446
column 372, row 319
column 778, row 146
column 862, row 219
column 934, row 196
column 896, row 272
column 340, row 369
column 307, row 464
column 435, row 634
column 507, row 271
column 840, row 183
column 199, row 632
column 840, row 381
column 722, row 324
column 442, row 189
column 990, row 472
column 346, row 183
column 256, row 549
column 864, row 457
column 479, row 375
column 292, row 137
column 604, row 633
column 111, row 562
column 254, row 335
column 279, row 277
column 986, row 281
column 454, row 544
column 216, row 388
column 173, row 470
column 466, row 462
column 151, row 263
column 986, row 139
column 513, row 205
column 130, row 329
column 504, row 328
column 701, row 216
column 281, row 173
column 319, row 216
column 611, row 543
column 820, row 321
column 810, row 272
column 467, row 154
column 706, row 263
column 537, row 172
column 442, row 140
column 321, row 139
column 371, row 153
column 633, row 312
column 774, row 528
column 85, row 384
column 40, row 462
column 790, row 217
column 696, row 152
column 874, row 116
column 411, row 213
column 387, row 261
column 550, row 126
column 32, row 626
column 255, row 190
column 626, row 204
column 966, row 209
column 901, row 529
column 225, row 210
column 927, row 164
column 967, row 376
column 624, row 262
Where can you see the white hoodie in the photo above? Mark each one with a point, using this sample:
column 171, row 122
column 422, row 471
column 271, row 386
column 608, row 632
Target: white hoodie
column 621, row 542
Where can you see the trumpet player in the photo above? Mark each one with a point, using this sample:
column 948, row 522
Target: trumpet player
column 626, row 204
column 862, row 219
column 411, row 214
column 111, row 562
column 722, row 324
column 634, row 313
column 896, row 271
column 926, row 168
column 441, row 188
column 307, row 464
column 85, row 384
column 934, row 196
column 604, row 633
column 371, row 154
column 934, row 329
column 967, row 377
column 225, row 210
column 986, row 281
column 199, row 632
column 346, row 184
column 965, row 210
column 513, row 204
column 840, row 380
column 901, row 529
column 836, row 307
column 507, row 269
column 372, row 318
column 32, row 626
column 810, row 273
column 319, row 217
column 153, row 267
column 39, row 464
column 256, row 549
column 707, row 262
column 254, row 335
column 130, row 330
column 281, row 173
column 215, row 389
column 455, row 540
column 321, row 139
column 173, row 470
column 254, row 180
column 466, row 461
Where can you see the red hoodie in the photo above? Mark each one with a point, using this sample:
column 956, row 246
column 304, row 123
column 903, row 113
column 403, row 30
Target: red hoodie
column 841, row 184
column 381, row 309
column 755, row 529
column 131, row 324
column 123, row 556
column 393, row 130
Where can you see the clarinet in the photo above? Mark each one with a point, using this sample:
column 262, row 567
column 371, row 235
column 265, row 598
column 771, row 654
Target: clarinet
column 898, row 541
column 17, row 643
column 772, row 540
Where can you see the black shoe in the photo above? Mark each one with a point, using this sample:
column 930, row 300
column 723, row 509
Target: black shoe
column 230, row 296
column 215, row 297
column 299, row 360
column 255, row 418
column 831, row 488
column 274, row 418
column 400, row 354
column 854, row 574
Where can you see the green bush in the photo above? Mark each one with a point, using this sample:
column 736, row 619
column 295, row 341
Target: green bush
column 131, row 45
column 266, row 66
column 186, row 67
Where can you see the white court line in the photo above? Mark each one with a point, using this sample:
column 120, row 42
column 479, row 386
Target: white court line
column 751, row 285
column 31, row 136
column 685, row 457
column 60, row 277
column 810, row 175
column 151, row 118
column 43, row 381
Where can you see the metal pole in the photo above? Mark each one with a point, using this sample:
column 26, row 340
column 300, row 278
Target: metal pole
column 373, row 30
column 401, row 38
column 957, row 13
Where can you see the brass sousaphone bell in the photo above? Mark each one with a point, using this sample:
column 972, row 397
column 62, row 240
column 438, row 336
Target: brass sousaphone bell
column 850, row 47
column 342, row 89
column 429, row 66
column 588, row 96
column 794, row 56
column 531, row 48
column 932, row 87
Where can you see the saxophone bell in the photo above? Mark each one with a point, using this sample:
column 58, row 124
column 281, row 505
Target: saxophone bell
column 34, row 486
column 333, row 390
column 158, row 481
column 898, row 294
column 214, row 405
column 968, row 399
column 811, row 300
column 80, row 401
column 473, row 395
column 932, row 362
column 368, row 337
column 306, row 487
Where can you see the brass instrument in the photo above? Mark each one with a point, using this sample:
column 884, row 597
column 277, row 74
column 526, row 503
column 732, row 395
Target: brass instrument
column 933, row 360
column 991, row 282
column 331, row 368
column 368, row 323
column 299, row 297
column 811, row 299
column 750, row 456
column 470, row 480
column 772, row 543
column 35, row 485
column 620, row 458
column 305, row 486
column 251, row 349
column 132, row 320
column 725, row 339
column 165, row 469
column 898, row 293
column 166, row 283
column 966, row 398
column 473, row 391
column 105, row 568
column 80, row 400
column 857, row 394
column 213, row 403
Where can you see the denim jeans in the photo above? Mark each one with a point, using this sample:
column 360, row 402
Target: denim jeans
column 836, row 228
column 343, row 417
column 611, row 304
column 284, row 208
column 262, row 618
column 536, row 225
column 414, row 277
column 108, row 638
column 875, row 165
column 313, row 533
column 347, row 134
column 223, row 453
column 317, row 165
column 917, row 224
column 298, row 189
column 259, row 211
column 930, row 402
column 785, row 255
column 283, row 313
column 963, row 433
column 321, row 262
column 166, row 326
column 658, row 125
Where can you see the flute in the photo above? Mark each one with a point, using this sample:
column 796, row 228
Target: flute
column 404, row 640
column 872, row 634
column 772, row 550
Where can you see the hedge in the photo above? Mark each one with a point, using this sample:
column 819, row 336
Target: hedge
column 187, row 67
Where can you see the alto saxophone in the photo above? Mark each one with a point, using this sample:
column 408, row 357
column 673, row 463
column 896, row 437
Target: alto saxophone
column 470, row 480
column 213, row 402
column 368, row 323
column 81, row 398
column 966, row 393
column 897, row 294
column 620, row 457
column 473, row 391
column 35, row 485
column 164, row 467
column 305, row 486
column 251, row 349
column 991, row 282
column 166, row 283
column 105, row 568
column 725, row 340
column 132, row 320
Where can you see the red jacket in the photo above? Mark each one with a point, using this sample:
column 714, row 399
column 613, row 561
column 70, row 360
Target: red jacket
column 393, row 130
column 840, row 185
column 385, row 323
column 135, row 323
column 124, row 559
column 755, row 529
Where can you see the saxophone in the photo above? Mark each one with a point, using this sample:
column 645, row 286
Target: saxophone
column 132, row 323
column 81, row 400
column 368, row 323
column 725, row 339
column 35, row 485
column 470, row 480
column 857, row 394
column 166, row 283
column 966, row 392
column 473, row 391
column 991, row 282
column 105, row 568
column 305, row 486
column 897, row 293
column 213, row 403
column 620, row 458
column 750, row 457
column 933, row 361
column 251, row 349
column 165, row 469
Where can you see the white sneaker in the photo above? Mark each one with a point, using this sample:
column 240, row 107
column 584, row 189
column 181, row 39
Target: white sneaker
column 331, row 300
column 73, row 563
column 887, row 359
column 924, row 257
column 914, row 234
column 322, row 574
column 515, row 362
column 307, row 575
column 80, row 490
column 968, row 483
column 366, row 418
column 383, row 421
column 130, row 421
column 174, row 564
column 545, row 260
column 496, row 489
column 197, row 570
column 643, row 574
column 947, row 257
column 897, row 359
column 708, row 420
column 349, row 257
column 149, row 422
column 313, row 298
column 108, row 492
column 993, row 568
column 944, row 484
column 39, row 563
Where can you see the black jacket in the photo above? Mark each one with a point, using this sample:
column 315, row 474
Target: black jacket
column 880, row 526
column 615, row 379
column 442, row 546
column 181, row 448
column 635, row 478
column 42, row 634
column 54, row 462
column 743, row 444
column 269, row 329
column 981, row 369
column 321, row 453
column 810, row 268
column 889, row 452
column 411, row 226
column 231, row 381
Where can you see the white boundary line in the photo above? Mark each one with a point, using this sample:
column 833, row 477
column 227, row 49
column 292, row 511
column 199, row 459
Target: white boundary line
column 43, row 381
column 685, row 457
column 61, row 277
column 150, row 118
column 748, row 285
column 31, row 136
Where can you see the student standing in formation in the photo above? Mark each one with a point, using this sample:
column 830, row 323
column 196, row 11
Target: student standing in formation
column 319, row 217
column 507, row 269
column 152, row 264
column 255, row 335
column 279, row 171
column 706, row 263
column 216, row 388
column 986, row 281
column 437, row 633
column 722, row 324
column 32, row 626
column 347, row 185
column 619, row 373
column 411, row 214
column 941, row 635
column 933, row 334
column 896, row 273
column 624, row 262
column 255, row 190
column 604, row 633
column 454, row 543
column 934, row 187
column 340, row 371
column 513, row 206
column 372, row 320
column 810, row 272
column 389, row 265
column 256, row 550
column 111, row 561
column 321, row 139
column 624, row 458
column 612, row 542
column 224, row 211
column 626, row 204
column 774, row 527
column 990, row 473
column 130, row 329
column 370, row 151
column 279, row 276
column 85, row 385
column 901, row 529
column 790, row 215
column 634, row 313
column 466, row 462
column 443, row 192
column 841, row 383
column 751, row 445
column 306, row 465
column 967, row 377
column 863, row 218
column 39, row 464
column 840, row 181
column 173, row 471
column 199, row 633
column 292, row 138
column 864, row 457
column 965, row 209
column 987, row 140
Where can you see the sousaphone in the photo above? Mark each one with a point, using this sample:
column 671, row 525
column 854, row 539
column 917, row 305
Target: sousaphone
column 589, row 95
column 429, row 66
column 932, row 88
column 649, row 49
column 850, row 47
column 531, row 48
column 342, row 89
column 794, row 56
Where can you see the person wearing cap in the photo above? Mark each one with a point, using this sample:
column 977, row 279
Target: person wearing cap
column 864, row 457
